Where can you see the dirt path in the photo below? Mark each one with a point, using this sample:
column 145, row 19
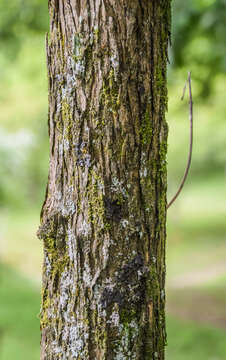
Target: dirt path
column 188, row 300
column 197, row 278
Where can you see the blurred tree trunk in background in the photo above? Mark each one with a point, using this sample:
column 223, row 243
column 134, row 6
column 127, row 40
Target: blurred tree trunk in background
column 103, row 220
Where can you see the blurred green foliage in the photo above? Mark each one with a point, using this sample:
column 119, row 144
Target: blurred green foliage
column 196, row 223
column 20, row 19
column 23, row 99
column 198, row 33
column 199, row 28
column 197, row 44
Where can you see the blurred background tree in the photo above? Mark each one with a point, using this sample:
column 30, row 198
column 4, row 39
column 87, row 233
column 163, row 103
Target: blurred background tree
column 199, row 40
column 196, row 223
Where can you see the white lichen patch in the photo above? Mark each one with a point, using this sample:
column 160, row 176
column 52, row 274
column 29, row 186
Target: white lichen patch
column 75, row 332
column 143, row 172
column 47, row 265
column 58, row 196
column 61, row 149
column 87, row 276
column 69, row 207
column 114, row 318
column 66, row 145
column 109, row 283
column 124, row 223
column 71, row 243
column 127, row 334
column 76, row 342
column 66, row 282
column 84, row 228
column 117, row 187
column 56, row 349
column 76, row 336
column 115, row 62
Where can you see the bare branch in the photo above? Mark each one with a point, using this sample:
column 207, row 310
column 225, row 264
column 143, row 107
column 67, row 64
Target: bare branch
column 191, row 139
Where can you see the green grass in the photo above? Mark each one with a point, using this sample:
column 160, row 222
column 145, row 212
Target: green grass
column 19, row 245
column 19, row 323
column 196, row 227
column 19, row 326
column 189, row 341
column 194, row 244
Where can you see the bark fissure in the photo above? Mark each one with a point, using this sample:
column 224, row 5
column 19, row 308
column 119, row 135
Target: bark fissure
column 103, row 220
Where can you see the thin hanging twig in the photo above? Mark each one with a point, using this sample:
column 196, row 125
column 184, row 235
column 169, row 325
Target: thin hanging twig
column 191, row 139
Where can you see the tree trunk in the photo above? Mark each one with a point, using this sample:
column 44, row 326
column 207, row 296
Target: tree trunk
column 103, row 220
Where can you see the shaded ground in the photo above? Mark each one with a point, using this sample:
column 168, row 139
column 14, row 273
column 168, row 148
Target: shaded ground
column 198, row 306
column 19, row 323
column 198, row 277
column 191, row 296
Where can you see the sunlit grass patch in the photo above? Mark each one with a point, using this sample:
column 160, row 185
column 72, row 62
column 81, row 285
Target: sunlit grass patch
column 189, row 341
column 19, row 323
column 19, row 245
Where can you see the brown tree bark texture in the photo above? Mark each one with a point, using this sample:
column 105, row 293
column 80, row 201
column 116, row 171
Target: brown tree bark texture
column 103, row 219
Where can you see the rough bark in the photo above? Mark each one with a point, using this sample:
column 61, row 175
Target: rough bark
column 103, row 219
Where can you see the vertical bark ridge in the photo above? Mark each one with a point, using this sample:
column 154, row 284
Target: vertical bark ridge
column 103, row 220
